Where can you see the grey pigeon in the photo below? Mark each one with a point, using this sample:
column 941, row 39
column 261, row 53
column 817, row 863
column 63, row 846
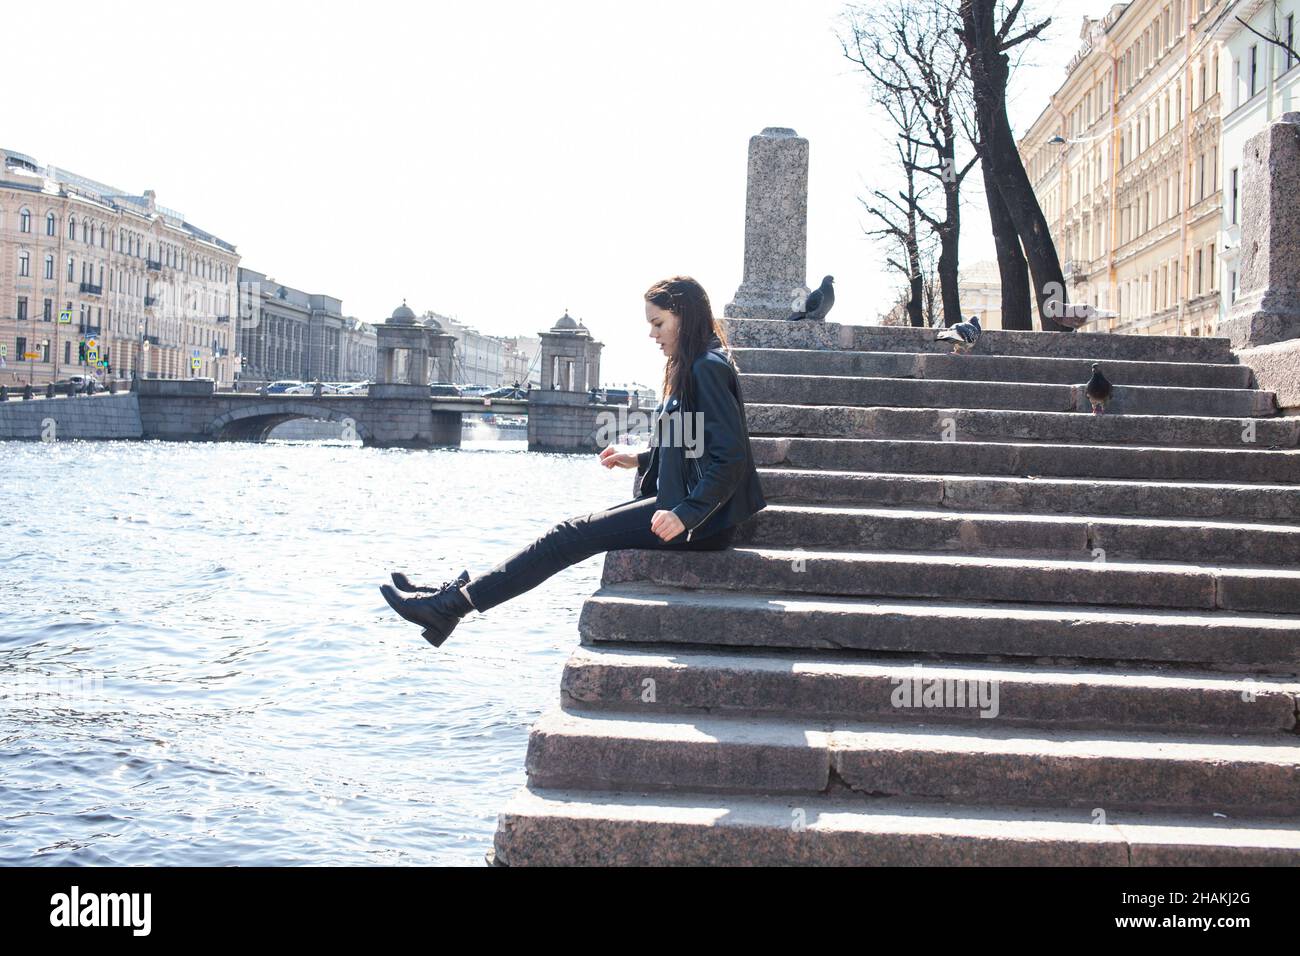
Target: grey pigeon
column 963, row 335
column 818, row 303
column 1098, row 390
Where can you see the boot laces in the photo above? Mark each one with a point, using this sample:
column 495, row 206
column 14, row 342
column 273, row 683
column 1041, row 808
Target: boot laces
column 446, row 585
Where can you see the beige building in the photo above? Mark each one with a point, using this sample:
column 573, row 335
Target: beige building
column 151, row 289
column 1125, row 163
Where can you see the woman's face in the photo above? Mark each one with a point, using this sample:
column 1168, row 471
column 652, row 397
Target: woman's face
column 663, row 328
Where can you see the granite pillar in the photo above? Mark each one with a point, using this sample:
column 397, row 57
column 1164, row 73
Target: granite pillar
column 776, row 228
column 1268, row 303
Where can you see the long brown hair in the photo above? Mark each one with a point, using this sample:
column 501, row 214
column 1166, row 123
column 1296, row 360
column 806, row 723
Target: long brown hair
column 686, row 298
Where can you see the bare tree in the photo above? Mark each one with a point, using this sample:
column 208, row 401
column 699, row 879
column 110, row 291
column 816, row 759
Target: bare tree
column 900, row 215
column 987, row 42
column 919, row 74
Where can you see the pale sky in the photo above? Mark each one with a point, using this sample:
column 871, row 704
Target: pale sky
column 494, row 162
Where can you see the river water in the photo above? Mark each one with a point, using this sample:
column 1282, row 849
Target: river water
column 197, row 667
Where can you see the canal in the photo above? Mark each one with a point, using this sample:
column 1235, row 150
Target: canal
column 197, row 667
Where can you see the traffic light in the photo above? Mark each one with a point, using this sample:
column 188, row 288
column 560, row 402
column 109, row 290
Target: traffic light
column 81, row 352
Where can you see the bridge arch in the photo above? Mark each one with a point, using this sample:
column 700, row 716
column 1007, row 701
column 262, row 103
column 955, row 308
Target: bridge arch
column 256, row 421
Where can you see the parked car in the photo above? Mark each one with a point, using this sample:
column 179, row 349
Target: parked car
column 281, row 387
column 354, row 388
column 75, row 383
column 446, row 389
column 505, row 391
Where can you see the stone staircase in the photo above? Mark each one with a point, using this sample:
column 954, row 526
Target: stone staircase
column 976, row 624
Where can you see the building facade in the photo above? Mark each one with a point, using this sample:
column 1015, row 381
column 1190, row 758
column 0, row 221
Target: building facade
column 286, row 333
column 1260, row 82
column 1125, row 162
column 151, row 291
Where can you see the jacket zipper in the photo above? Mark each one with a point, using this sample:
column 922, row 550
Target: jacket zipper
column 706, row 518
column 691, row 531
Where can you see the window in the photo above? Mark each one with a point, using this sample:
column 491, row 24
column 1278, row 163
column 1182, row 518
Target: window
column 24, row 221
column 1252, row 72
column 48, row 313
column 1290, row 41
column 49, row 267
column 1214, row 273
column 24, row 264
column 71, row 269
column 22, row 308
column 21, row 349
column 1199, row 276
column 72, row 228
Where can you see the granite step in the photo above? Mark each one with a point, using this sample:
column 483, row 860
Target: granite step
column 988, row 368
column 985, row 765
column 1277, row 504
column 549, row 827
column 1271, row 589
column 1093, row 346
column 750, row 683
column 1072, row 537
column 633, row 612
column 1029, row 458
column 1010, row 425
column 1023, row 396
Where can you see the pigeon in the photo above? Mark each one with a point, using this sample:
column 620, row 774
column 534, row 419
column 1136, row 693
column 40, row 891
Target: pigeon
column 963, row 335
column 818, row 303
column 1078, row 313
column 1098, row 390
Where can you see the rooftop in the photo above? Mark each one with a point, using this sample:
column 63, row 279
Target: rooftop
column 67, row 183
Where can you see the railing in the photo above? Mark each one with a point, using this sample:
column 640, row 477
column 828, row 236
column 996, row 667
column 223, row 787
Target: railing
column 90, row 289
column 150, row 301
column 152, row 340
column 154, row 265
column 85, row 328
column 223, row 318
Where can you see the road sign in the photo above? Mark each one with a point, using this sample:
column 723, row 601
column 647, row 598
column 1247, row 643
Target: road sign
column 195, row 363
column 4, row 350
column 91, row 345
column 65, row 316
column 196, row 353
column 32, row 355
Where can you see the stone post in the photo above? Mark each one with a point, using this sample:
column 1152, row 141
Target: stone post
column 776, row 228
column 1268, row 304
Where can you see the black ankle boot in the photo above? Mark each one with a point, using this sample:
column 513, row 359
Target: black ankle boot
column 404, row 583
column 439, row 611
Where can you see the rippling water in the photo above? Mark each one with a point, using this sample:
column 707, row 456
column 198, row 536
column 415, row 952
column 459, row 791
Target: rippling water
column 197, row 668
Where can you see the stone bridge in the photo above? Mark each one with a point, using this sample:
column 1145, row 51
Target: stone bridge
column 396, row 415
column 392, row 416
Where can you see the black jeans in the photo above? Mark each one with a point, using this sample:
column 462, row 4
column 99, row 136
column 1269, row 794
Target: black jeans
column 625, row 525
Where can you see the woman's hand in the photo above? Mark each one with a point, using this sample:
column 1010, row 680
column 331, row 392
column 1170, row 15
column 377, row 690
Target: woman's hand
column 666, row 525
column 618, row 456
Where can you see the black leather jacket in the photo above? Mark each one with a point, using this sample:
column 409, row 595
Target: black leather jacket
column 709, row 480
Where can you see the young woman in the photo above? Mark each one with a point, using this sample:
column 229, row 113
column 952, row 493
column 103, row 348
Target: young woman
column 695, row 483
